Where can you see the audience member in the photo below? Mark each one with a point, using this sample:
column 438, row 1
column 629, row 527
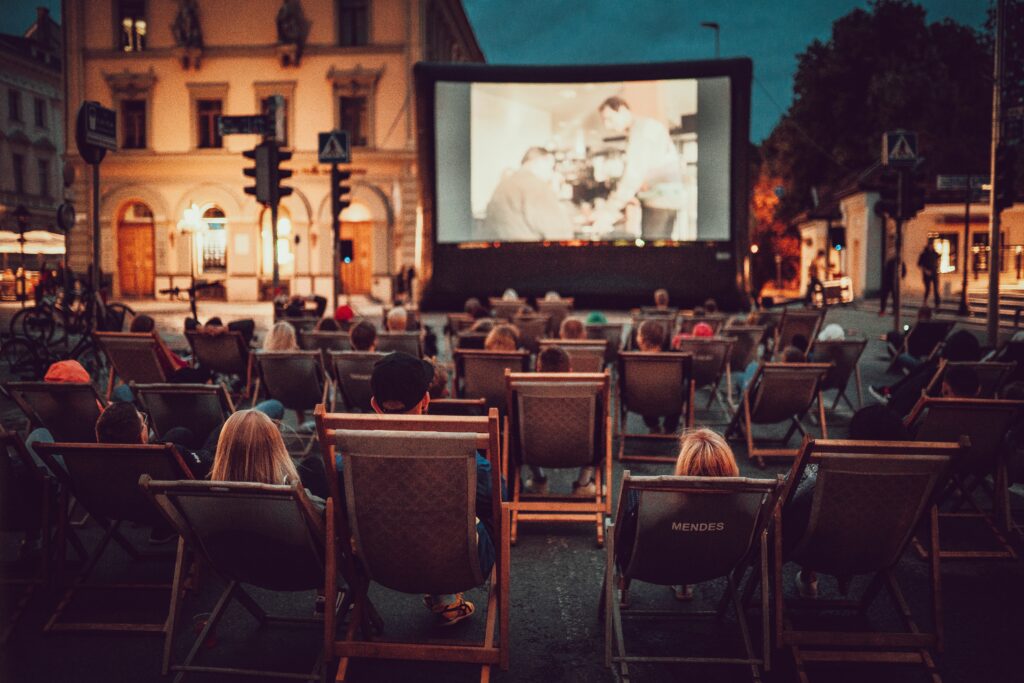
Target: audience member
column 552, row 296
column 961, row 346
column 281, row 338
column 327, row 325
column 482, row 325
column 596, row 318
column 650, row 338
column 502, row 337
column 344, row 315
column 509, row 295
column 960, row 381
column 800, row 342
column 174, row 367
column 661, row 298
column 710, row 306
column 553, row 359
column 397, row 320
column 700, row 331
column 918, row 348
column 475, row 309
column 439, row 385
column 793, row 354
column 832, row 332
column 572, row 328
column 363, row 336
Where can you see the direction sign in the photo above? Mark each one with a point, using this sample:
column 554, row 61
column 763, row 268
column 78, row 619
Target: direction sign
column 334, row 147
column 899, row 149
column 242, row 125
column 959, row 182
column 100, row 125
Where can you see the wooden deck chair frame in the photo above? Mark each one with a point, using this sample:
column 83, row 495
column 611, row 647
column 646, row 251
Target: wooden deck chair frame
column 612, row 607
column 319, row 541
column 324, row 395
column 528, row 507
column 754, row 402
column 911, row 646
column 838, row 377
column 495, row 648
column 992, row 375
column 63, row 395
column 11, row 441
column 163, row 422
column 579, row 348
column 346, row 392
column 519, row 359
column 688, row 399
column 943, row 326
column 242, row 363
column 505, row 309
column 744, row 351
column 171, row 463
column 723, row 371
column 795, row 321
column 962, row 482
column 112, row 342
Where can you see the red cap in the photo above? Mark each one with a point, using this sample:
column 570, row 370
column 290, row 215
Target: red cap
column 67, row 371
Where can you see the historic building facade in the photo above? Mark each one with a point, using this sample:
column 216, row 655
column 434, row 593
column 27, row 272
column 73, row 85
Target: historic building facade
column 172, row 200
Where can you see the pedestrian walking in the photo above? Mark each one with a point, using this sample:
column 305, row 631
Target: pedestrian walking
column 928, row 262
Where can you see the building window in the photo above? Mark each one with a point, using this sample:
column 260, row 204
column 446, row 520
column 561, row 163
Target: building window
column 131, row 25
column 40, row 112
column 353, row 115
column 18, row 166
column 353, row 22
column 207, row 112
column 214, row 255
column 133, row 124
column 14, row 105
column 265, row 110
column 43, row 168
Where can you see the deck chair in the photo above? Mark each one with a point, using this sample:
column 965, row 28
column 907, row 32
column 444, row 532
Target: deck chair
column 710, row 364
column 687, row 530
column 532, row 328
column 225, row 353
column 304, row 326
column 845, row 358
column 469, row 340
column 794, row 321
column 558, row 420
column 352, row 371
column 481, row 374
column 133, row 357
column 505, row 309
column 455, row 324
column 406, row 342
column 104, row 480
column 331, row 341
column 28, row 497
column 926, row 336
column 666, row 320
column 201, row 407
column 457, row 407
column 585, row 355
column 557, row 309
column 611, row 333
column 408, row 523
column 68, row 410
column 654, row 384
column 780, row 393
column 984, row 422
column 687, row 321
column 1012, row 352
column 992, row 376
column 747, row 339
column 869, row 498
column 265, row 536
column 297, row 379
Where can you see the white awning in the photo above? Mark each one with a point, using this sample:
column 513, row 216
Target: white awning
column 36, row 242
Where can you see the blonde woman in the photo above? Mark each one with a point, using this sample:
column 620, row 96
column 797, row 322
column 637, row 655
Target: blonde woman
column 502, row 338
column 281, row 338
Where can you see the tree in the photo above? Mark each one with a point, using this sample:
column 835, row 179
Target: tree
column 772, row 236
column 881, row 69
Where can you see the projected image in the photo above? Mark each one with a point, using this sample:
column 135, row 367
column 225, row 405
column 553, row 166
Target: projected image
column 583, row 161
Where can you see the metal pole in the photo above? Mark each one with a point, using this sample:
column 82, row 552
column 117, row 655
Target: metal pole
column 96, row 275
column 335, row 234
column 276, row 283
column 21, row 248
column 993, row 240
column 964, row 311
column 898, row 247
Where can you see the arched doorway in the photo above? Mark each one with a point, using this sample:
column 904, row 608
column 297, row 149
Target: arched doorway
column 135, row 250
column 356, row 249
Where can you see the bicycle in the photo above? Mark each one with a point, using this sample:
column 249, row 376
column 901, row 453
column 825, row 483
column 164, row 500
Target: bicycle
column 190, row 292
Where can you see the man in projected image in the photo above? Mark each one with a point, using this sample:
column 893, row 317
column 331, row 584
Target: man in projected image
column 652, row 175
column 524, row 206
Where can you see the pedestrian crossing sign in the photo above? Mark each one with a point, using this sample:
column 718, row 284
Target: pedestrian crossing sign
column 899, row 149
column 334, row 148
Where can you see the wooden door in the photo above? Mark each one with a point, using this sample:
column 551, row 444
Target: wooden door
column 135, row 259
column 357, row 276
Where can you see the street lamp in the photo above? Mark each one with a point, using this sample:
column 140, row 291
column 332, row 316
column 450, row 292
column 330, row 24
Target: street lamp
column 21, row 216
column 713, row 25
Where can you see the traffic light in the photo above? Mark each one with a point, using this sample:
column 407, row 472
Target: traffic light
column 913, row 191
column 279, row 173
column 339, row 190
column 888, row 193
column 1006, row 163
column 262, row 190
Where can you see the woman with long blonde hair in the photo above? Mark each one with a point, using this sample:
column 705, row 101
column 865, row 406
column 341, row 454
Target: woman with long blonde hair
column 704, row 453
column 251, row 449
column 281, row 338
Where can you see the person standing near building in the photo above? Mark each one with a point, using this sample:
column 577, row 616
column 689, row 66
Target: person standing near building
column 928, row 262
column 815, row 273
column 889, row 282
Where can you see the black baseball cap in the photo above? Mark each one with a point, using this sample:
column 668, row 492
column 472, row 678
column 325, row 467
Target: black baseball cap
column 399, row 377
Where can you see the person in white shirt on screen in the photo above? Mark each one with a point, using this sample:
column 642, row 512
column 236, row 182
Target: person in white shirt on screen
column 524, row 206
column 653, row 174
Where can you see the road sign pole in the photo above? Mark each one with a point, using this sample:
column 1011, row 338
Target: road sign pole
column 276, row 282
column 97, row 279
column 897, row 293
column 335, row 234
column 964, row 311
column 993, row 240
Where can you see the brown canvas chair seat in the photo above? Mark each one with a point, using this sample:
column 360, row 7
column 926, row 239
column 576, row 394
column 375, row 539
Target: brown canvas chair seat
column 304, row 326
column 456, row 324
column 927, row 336
column 505, row 309
column 611, row 333
column 585, row 355
column 133, row 356
column 746, row 341
column 104, row 480
column 470, row 340
column 408, row 523
column 224, row 352
column 200, row 407
column 984, row 423
column 558, row 420
column 654, row 384
column 352, row 371
column 687, row 530
column 532, row 328
column 297, row 379
column 406, row 342
column 270, row 537
column 992, row 376
column 844, row 355
column 481, row 374
column 710, row 363
column 457, row 407
column 557, row 310
column 330, row 340
column 780, row 393
column 68, row 410
column 794, row 321
column 868, row 499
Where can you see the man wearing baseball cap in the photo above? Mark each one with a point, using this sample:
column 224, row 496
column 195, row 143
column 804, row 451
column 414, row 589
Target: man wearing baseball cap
column 400, row 384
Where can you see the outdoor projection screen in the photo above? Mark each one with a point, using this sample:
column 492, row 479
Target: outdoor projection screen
column 560, row 162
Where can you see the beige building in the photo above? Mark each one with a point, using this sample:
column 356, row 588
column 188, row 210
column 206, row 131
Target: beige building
column 172, row 199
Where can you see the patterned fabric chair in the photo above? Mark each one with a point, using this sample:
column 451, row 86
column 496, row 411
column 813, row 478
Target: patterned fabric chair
column 133, row 356
column 664, row 317
column 794, row 321
column 557, row 309
column 457, row 407
column 297, row 379
column 925, row 338
column 611, row 333
column 746, row 341
column 352, row 371
column 992, row 376
column 506, row 309
column 654, row 384
column 481, row 374
column 406, row 342
column 845, row 358
column 532, row 328
column 585, row 355
column 710, row 363
column 201, row 407
column 226, row 353
column 68, row 410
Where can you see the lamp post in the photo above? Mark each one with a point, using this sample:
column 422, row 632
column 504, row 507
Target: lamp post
column 21, row 216
column 713, row 25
